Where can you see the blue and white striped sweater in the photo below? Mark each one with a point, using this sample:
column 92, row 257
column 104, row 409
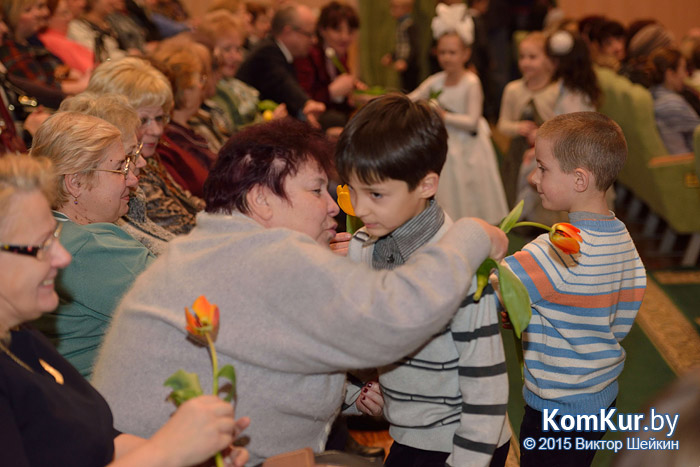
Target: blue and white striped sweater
column 582, row 307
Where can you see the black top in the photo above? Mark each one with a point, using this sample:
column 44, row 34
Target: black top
column 267, row 70
column 45, row 423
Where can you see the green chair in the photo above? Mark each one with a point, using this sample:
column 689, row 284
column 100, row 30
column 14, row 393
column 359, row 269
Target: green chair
column 667, row 184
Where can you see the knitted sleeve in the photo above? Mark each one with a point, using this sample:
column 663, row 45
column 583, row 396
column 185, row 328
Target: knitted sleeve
column 483, row 380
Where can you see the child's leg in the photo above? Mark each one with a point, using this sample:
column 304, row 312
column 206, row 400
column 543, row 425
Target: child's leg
column 500, row 455
column 405, row 456
column 533, row 456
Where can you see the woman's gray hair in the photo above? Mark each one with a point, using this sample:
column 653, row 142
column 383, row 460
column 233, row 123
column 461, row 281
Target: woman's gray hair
column 75, row 143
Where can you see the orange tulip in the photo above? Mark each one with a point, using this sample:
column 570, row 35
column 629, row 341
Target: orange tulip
column 344, row 200
column 204, row 319
column 566, row 237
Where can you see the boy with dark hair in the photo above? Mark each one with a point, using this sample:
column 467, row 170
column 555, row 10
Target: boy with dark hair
column 446, row 402
column 583, row 304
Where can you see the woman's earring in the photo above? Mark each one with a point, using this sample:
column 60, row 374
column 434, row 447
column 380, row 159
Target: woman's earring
column 75, row 200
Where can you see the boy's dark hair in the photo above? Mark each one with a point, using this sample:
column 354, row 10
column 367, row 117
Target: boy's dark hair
column 589, row 140
column 392, row 138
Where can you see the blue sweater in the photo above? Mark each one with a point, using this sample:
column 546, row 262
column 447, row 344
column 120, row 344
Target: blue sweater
column 583, row 305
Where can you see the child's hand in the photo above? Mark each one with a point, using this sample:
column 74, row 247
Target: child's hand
column 339, row 244
column 280, row 112
column 341, row 86
column 371, row 401
column 526, row 127
column 499, row 240
column 505, row 320
column 312, row 109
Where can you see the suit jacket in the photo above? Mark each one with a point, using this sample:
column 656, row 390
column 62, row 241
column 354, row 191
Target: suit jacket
column 267, row 70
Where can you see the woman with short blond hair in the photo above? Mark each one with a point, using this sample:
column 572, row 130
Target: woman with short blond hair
column 116, row 110
column 93, row 179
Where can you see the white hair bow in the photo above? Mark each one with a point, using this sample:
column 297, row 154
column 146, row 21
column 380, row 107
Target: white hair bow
column 453, row 18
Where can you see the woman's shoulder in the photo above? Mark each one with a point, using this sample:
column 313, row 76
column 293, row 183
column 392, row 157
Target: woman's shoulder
column 516, row 87
column 76, row 237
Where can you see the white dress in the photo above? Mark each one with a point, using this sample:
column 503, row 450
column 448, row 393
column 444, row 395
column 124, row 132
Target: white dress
column 470, row 183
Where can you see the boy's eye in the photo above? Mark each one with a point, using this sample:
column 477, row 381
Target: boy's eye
column 376, row 195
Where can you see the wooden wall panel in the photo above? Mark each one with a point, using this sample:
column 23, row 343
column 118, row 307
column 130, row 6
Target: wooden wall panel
column 677, row 15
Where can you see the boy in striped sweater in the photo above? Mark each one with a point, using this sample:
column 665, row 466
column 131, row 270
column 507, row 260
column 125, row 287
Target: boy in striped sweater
column 446, row 402
column 584, row 304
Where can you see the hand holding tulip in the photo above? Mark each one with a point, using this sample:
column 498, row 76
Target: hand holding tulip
column 202, row 325
column 198, row 428
column 513, row 294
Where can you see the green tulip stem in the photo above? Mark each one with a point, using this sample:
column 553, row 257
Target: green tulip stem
column 339, row 65
column 215, row 384
column 519, row 352
column 214, row 364
column 532, row 224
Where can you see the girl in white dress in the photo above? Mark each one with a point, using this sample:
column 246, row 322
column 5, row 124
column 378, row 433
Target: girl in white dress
column 470, row 183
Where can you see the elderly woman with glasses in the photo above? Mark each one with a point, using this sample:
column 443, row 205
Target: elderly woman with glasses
column 148, row 91
column 116, row 110
column 94, row 179
column 50, row 414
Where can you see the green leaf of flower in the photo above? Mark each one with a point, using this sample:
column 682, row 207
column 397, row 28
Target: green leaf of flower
column 509, row 221
column 229, row 373
column 516, row 300
column 267, row 104
column 185, row 386
column 482, row 277
column 434, row 94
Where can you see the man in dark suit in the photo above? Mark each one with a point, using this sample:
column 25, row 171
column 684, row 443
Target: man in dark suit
column 269, row 67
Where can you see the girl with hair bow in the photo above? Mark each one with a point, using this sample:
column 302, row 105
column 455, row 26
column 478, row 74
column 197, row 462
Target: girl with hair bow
column 470, row 184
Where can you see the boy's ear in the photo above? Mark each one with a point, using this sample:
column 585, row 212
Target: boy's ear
column 428, row 185
column 582, row 179
column 258, row 200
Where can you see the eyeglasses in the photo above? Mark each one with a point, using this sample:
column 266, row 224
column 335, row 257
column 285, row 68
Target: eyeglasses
column 39, row 252
column 308, row 34
column 124, row 170
column 136, row 155
column 160, row 120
